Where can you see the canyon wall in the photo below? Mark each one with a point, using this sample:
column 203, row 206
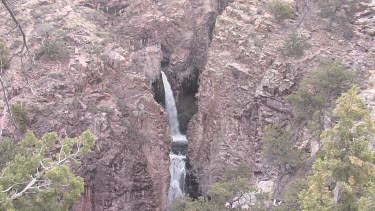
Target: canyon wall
column 246, row 79
column 91, row 65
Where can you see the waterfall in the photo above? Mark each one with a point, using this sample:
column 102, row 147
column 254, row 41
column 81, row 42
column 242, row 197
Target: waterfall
column 178, row 175
column 177, row 168
column 170, row 105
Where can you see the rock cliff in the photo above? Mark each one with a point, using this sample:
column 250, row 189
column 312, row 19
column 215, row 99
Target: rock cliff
column 246, row 79
column 96, row 65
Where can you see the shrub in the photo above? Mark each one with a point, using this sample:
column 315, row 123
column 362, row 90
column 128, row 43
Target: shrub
column 229, row 192
column 278, row 147
column 294, row 45
column 304, row 104
column 340, row 11
column 290, row 195
column 4, row 55
column 280, row 9
column 20, row 116
column 52, row 50
column 332, row 8
column 7, row 151
column 318, row 89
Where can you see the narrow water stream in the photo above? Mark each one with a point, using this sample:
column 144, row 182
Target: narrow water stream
column 177, row 156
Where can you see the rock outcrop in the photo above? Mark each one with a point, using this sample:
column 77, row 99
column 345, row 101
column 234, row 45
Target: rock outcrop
column 246, row 79
column 91, row 65
column 84, row 79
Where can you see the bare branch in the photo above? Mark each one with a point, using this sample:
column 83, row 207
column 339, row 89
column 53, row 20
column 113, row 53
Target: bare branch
column 10, row 31
column 7, row 103
column 28, row 186
column 10, row 11
column 4, row 191
column 2, row 120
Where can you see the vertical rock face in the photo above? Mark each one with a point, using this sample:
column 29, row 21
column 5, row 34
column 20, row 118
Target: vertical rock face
column 107, row 56
column 243, row 86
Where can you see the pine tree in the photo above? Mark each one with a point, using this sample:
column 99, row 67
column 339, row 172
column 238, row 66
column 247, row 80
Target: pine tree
column 342, row 178
column 39, row 176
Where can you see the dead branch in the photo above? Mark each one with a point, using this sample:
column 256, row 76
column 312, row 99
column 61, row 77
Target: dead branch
column 2, row 120
column 18, row 25
column 7, row 103
column 24, row 46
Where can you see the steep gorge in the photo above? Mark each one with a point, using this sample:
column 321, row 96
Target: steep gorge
column 110, row 83
column 109, row 55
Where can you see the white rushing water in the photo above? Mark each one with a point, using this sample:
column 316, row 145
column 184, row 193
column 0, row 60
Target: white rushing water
column 178, row 166
column 178, row 175
column 170, row 105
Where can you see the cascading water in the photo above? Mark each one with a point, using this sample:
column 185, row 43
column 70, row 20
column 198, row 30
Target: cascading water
column 178, row 175
column 179, row 142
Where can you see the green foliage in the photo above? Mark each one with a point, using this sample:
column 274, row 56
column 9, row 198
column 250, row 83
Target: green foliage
column 52, row 50
column 189, row 204
column 4, row 55
column 341, row 180
column 305, row 104
column 278, row 147
column 290, row 196
column 229, row 191
column 294, row 45
column 367, row 201
column 280, row 9
column 341, row 12
column 331, row 79
column 318, row 195
column 334, row 8
column 227, row 194
column 20, row 116
column 318, row 89
column 7, row 151
column 40, row 173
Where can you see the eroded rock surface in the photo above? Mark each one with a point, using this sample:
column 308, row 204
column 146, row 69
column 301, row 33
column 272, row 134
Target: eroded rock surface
column 98, row 76
column 244, row 84
column 90, row 65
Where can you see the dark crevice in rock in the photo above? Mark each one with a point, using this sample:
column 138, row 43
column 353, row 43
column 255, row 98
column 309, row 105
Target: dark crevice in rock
column 186, row 108
column 186, row 101
column 222, row 4
column 158, row 90
column 192, row 185
column 184, row 79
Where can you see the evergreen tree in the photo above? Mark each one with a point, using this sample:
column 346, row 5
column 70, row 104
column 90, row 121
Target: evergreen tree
column 313, row 100
column 228, row 194
column 289, row 196
column 279, row 149
column 39, row 176
column 343, row 177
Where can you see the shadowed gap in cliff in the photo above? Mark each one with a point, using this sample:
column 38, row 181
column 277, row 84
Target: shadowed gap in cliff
column 186, row 106
column 186, row 101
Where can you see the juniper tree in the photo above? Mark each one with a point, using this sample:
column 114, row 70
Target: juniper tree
column 313, row 100
column 343, row 177
column 39, row 176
